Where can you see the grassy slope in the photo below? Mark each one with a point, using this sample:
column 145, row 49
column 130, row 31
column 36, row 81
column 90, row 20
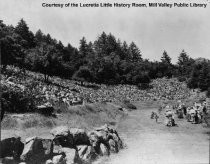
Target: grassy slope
column 82, row 116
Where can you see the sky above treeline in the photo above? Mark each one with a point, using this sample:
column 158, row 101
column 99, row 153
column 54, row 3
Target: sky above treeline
column 152, row 29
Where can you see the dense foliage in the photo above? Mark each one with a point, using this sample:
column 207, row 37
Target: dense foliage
column 16, row 100
column 107, row 60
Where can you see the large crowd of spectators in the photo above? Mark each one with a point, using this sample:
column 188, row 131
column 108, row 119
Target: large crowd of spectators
column 72, row 92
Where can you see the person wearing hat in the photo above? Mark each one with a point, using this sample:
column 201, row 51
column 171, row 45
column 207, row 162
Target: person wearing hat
column 180, row 111
column 193, row 114
column 188, row 115
column 169, row 116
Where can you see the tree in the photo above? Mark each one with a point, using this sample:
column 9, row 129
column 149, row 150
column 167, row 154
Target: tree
column 90, row 56
column 83, row 48
column 39, row 37
column 59, row 46
column 43, row 59
column 23, row 30
column 111, row 44
column 183, row 58
column 165, row 59
column 204, row 76
column 48, row 40
column 83, row 74
column 184, row 64
column 26, row 39
column 100, row 45
column 165, row 66
column 134, row 53
column 119, row 50
column 193, row 80
column 125, row 51
column 11, row 50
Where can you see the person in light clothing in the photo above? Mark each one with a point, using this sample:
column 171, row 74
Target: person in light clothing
column 169, row 117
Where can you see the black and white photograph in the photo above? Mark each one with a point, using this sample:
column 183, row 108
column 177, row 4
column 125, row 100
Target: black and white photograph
column 105, row 81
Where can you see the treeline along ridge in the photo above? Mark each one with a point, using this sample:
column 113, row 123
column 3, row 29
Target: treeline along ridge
column 107, row 60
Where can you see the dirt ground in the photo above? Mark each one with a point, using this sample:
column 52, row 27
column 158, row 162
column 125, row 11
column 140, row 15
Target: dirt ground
column 149, row 142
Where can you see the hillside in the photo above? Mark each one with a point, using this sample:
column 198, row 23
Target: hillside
column 66, row 91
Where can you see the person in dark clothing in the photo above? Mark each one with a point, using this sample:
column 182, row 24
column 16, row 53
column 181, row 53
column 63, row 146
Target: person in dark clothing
column 205, row 110
column 185, row 110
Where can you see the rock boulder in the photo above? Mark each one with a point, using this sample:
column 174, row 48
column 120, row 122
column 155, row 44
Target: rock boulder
column 80, row 136
column 34, row 152
column 11, row 147
column 63, row 137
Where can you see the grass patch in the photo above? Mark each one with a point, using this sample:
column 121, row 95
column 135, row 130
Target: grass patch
column 37, row 120
column 9, row 123
column 30, row 123
column 25, row 121
column 90, row 115
column 81, row 116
